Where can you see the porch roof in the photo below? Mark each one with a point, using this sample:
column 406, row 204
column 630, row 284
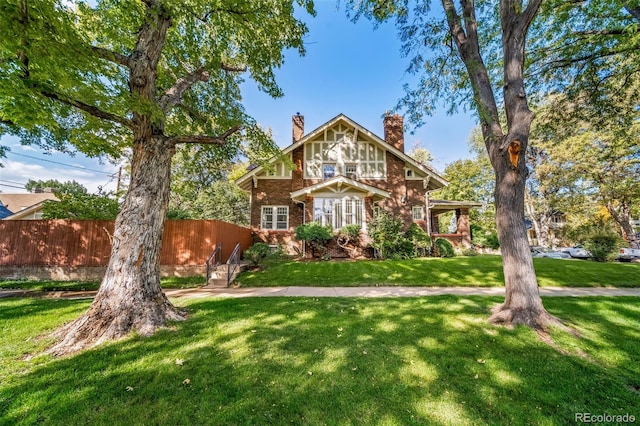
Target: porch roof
column 339, row 185
column 443, row 206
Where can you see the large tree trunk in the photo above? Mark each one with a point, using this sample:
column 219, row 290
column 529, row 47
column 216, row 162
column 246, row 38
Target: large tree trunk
column 130, row 298
column 522, row 302
column 622, row 216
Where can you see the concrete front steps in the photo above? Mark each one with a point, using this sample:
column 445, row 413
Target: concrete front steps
column 218, row 278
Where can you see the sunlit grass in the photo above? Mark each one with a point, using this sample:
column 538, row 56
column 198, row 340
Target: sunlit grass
column 402, row 361
column 51, row 285
column 475, row 271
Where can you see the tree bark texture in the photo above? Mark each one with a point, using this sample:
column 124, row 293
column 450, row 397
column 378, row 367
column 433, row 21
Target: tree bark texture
column 622, row 216
column 130, row 298
column 523, row 304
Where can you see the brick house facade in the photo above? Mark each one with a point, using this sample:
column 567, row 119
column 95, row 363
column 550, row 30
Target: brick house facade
column 338, row 174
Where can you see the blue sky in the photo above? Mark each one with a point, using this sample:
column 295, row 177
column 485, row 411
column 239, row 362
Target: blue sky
column 349, row 68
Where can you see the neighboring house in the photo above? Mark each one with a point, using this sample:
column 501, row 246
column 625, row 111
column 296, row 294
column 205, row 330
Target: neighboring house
column 4, row 212
column 339, row 174
column 26, row 206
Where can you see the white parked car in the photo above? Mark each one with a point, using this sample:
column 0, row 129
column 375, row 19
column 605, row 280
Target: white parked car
column 577, row 252
column 550, row 253
column 628, row 254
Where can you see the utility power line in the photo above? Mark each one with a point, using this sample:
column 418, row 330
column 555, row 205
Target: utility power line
column 57, row 162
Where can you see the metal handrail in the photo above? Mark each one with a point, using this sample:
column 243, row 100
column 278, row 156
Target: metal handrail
column 214, row 260
column 233, row 262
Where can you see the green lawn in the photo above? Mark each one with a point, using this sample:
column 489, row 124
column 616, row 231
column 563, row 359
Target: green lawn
column 49, row 285
column 326, row 361
column 479, row 271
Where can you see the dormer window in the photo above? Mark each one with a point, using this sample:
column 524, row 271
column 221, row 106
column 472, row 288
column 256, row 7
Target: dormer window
column 409, row 173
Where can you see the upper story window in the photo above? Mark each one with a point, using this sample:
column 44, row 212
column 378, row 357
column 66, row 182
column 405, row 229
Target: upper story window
column 328, row 171
column 409, row 173
column 349, row 151
column 351, row 171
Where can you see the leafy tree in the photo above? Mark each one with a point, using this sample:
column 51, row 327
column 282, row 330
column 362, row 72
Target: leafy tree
column 590, row 52
column 448, row 52
column 200, row 189
column 420, row 154
column 68, row 187
column 81, row 206
column 145, row 76
column 601, row 162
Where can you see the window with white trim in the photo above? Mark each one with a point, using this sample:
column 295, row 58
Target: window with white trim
column 274, row 218
column 338, row 212
column 418, row 213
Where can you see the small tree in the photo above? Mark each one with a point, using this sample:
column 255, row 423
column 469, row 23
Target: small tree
column 315, row 235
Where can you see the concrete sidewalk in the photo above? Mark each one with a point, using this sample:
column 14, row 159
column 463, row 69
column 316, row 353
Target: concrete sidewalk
column 341, row 292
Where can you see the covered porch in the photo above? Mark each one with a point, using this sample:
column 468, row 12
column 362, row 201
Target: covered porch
column 461, row 238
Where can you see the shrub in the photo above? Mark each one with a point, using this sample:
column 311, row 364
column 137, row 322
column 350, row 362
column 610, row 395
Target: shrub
column 444, row 248
column 257, row 253
column 348, row 238
column 602, row 245
column 388, row 239
column 484, row 238
column 420, row 240
column 468, row 252
column 315, row 235
column 598, row 237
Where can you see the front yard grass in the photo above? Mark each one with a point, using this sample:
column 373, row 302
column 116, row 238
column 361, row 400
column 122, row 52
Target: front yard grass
column 473, row 271
column 50, row 285
column 326, row 361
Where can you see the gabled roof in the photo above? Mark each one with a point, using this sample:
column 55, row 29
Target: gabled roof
column 335, row 120
column 338, row 182
column 28, row 212
column 17, row 202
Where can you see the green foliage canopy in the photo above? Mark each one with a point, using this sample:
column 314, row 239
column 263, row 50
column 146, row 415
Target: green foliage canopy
column 65, row 79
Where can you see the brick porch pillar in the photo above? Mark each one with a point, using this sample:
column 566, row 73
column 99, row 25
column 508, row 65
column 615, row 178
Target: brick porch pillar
column 464, row 228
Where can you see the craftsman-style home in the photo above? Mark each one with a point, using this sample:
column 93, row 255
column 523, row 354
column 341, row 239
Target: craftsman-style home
column 340, row 174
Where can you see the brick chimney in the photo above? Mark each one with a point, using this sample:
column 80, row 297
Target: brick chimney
column 394, row 131
column 298, row 127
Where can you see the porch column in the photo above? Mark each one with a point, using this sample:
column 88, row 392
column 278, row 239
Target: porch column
column 464, row 229
column 435, row 223
column 308, row 209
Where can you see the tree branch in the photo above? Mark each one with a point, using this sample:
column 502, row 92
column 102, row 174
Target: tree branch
column 231, row 68
column 89, row 109
column 173, row 95
column 205, row 140
column 111, row 56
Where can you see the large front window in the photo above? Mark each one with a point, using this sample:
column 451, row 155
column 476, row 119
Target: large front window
column 338, row 212
column 275, row 218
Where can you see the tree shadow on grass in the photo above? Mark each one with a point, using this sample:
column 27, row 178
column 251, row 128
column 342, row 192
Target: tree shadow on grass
column 429, row 360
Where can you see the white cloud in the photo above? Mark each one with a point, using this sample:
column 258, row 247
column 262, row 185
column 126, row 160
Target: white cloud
column 16, row 171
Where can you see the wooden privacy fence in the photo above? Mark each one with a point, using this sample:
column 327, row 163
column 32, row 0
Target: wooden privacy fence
column 79, row 243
